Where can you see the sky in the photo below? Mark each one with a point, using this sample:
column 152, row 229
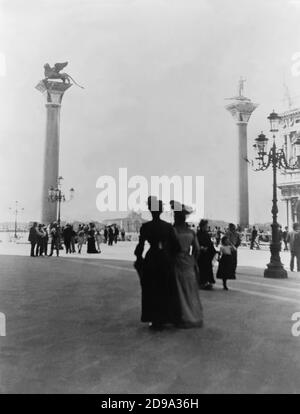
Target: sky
column 156, row 74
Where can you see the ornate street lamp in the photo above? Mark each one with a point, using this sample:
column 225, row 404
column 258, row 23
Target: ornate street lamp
column 274, row 119
column 55, row 195
column 16, row 211
column 276, row 158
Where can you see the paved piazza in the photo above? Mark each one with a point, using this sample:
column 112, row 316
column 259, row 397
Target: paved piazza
column 73, row 326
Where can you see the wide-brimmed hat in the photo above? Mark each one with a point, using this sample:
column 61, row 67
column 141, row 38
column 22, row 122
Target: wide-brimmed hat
column 176, row 206
column 154, row 204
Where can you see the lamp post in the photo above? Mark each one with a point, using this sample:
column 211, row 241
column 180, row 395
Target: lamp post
column 16, row 211
column 55, row 195
column 275, row 158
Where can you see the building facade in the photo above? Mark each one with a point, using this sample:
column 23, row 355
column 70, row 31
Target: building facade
column 131, row 224
column 289, row 181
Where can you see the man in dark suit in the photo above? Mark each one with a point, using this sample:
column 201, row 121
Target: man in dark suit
column 55, row 234
column 253, row 238
column 33, row 237
column 110, row 236
column 67, row 236
column 285, row 238
column 116, row 234
column 295, row 247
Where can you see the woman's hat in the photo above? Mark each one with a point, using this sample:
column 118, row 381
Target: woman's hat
column 177, row 206
column 154, row 204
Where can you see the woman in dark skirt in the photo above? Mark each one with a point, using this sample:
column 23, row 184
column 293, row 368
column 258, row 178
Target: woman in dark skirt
column 91, row 242
column 159, row 292
column 235, row 240
column 205, row 258
column 226, row 268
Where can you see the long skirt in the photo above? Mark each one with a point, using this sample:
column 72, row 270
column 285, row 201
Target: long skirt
column 191, row 314
column 205, row 266
column 91, row 246
column 159, row 291
column 226, row 269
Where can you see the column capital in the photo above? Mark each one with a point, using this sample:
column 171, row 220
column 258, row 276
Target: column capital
column 53, row 90
column 241, row 110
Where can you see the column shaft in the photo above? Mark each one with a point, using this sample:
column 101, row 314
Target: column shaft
column 51, row 161
column 243, row 197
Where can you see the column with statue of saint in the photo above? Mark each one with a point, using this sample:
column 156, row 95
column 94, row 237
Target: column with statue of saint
column 241, row 109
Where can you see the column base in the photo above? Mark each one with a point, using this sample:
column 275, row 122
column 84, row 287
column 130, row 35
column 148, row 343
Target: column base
column 275, row 272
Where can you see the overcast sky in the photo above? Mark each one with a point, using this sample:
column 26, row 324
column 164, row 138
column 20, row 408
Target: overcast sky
column 156, row 73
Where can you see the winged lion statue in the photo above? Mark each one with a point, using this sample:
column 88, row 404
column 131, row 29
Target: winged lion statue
column 54, row 73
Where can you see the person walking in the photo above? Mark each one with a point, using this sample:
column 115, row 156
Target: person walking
column 293, row 247
column 280, row 234
column 67, row 236
column 226, row 269
column 45, row 240
column 110, row 236
column 40, row 240
column 191, row 315
column 80, row 237
column 98, row 239
column 253, row 238
column 105, row 234
column 123, row 234
column 205, row 257
column 235, row 241
column 32, row 238
column 91, row 242
column 218, row 236
column 55, row 235
column 285, row 234
column 160, row 303
column 73, row 239
column 297, row 248
column 116, row 234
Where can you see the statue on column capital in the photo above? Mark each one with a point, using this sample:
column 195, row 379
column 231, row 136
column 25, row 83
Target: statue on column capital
column 55, row 83
column 54, row 73
column 241, row 86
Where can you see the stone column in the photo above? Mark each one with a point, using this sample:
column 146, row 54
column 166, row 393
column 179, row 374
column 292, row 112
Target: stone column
column 287, row 214
column 241, row 109
column 54, row 92
column 243, row 196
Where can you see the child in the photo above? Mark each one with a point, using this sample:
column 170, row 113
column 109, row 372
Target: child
column 226, row 262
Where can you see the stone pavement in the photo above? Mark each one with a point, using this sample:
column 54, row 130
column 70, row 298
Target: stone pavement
column 73, row 326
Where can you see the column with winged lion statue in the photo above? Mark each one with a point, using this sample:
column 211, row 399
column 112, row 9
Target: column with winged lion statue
column 53, row 86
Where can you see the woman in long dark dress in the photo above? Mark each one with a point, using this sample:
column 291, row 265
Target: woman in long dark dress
column 91, row 242
column 226, row 268
column 235, row 240
column 191, row 315
column 205, row 258
column 156, row 270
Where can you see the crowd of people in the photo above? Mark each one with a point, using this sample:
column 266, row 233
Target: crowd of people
column 178, row 263
column 253, row 237
column 67, row 237
column 181, row 259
